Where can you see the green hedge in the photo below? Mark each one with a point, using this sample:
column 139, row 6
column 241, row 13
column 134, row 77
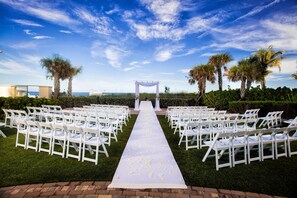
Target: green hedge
column 20, row 103
column 289, row 108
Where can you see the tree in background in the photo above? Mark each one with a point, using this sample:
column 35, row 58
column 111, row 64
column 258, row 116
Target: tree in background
column 294, row 76
column 219, row 61
column 247, row 72
column 267, row 58
column 58, row 69
column 201, row 74
column 167, row 90
column 73, row 72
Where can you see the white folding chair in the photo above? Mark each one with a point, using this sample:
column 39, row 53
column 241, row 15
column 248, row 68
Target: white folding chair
column 107, row 131
column 267, row 138
column 239, row 141
column 33, row 134
column 221, row 143
column 59, row 138
column 22, row 128
column 292, row 136
column 1, row 132
column 45, row 136
column 74, row 137
column 205, row 132
column 253, row 140
column 280, row 141
column 190, row 130
column 95, row 141
column 8, row 117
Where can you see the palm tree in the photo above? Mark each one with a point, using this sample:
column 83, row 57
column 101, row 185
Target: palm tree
column 57, row 69
column 267, row 58
column 294, row 76
column 200, row 74
column 73, row 72
column 246, row 71
column 219, row 61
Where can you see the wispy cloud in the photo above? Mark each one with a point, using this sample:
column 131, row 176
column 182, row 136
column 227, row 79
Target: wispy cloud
column 116, row 9
column 33, row 59
column 42, row 10
column 164, row 53
column 99, row 24
column 11, row 67
column 114, row 55
column 65, row 31
column 42, row 37
column 258, row 9
column 26, row 22
column 166, row 73
column 29, row 32
column 208, row 54
column 184, row 71
column 130, row 68
column 24, row 45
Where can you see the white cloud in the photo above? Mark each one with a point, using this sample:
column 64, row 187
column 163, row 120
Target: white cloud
column 130, row 68
column 26, row 22
column 134, row 63
column 11, row 67
column 99, row 24
column 208, row 54
column 145, row 62
column 29, row 32
column 42, row 37
column 258, row 9
column 164, row 53
column 31, row 59
column 288, row 66
column 184, row 71
column 24, row 45
column 65, row 31
column 114, row 55
column 166, row 11
column 42, row 10
column 116, row 9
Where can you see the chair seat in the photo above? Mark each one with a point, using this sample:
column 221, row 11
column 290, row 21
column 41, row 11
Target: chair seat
column 93, row 141
column 189, row 133
column 267, row 138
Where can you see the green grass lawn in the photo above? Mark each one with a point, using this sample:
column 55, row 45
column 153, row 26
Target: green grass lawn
column 274, row 177
column 20, row 166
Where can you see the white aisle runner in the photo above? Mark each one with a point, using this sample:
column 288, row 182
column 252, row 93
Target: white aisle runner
column 147, row 161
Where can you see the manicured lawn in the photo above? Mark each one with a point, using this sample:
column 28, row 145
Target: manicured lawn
column 19, row 166
column 274, row 177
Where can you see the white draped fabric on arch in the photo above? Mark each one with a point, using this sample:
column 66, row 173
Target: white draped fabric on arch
column 147, row 84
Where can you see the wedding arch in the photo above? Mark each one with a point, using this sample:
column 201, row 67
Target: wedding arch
column 147, row 84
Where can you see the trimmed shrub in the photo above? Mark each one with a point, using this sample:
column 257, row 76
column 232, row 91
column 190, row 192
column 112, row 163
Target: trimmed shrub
column 289, row 108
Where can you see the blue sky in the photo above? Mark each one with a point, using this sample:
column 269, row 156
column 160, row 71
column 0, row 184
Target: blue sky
column 118, row 42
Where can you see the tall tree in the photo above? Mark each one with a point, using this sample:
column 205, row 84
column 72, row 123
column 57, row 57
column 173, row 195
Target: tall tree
column 73, row 72
column 246, row 71
column 57, row 69
column 201, row 74
column 219, row 61
column 268, row 58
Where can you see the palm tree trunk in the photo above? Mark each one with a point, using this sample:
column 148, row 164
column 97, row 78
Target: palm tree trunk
column 248, row 84
column 263, row 83
column 70, row 86
column 220, row 79
column 56, row 85
column 242, row 89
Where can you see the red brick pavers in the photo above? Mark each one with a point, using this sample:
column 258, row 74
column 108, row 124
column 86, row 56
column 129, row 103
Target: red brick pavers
column 95, row 189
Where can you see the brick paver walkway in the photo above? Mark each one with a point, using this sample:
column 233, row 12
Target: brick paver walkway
column 99, row 190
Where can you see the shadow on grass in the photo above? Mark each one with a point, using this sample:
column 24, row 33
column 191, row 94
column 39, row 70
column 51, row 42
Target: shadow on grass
column 20, row 166
column 274, row 177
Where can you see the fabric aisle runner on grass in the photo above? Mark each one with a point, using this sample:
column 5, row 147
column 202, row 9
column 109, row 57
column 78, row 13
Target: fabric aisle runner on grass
column 147, row 161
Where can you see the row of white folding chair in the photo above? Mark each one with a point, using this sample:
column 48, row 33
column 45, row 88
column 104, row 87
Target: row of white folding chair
column 183, row 119
column 107, row 125
column 66, row 136
column 272, row 119
column 250, row 114
column 207, row 130
column 11, row 115
column 53, row 108
column 36, row 111
column 271, row 140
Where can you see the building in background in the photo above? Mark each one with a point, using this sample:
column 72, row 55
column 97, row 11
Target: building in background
column 25, row 90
